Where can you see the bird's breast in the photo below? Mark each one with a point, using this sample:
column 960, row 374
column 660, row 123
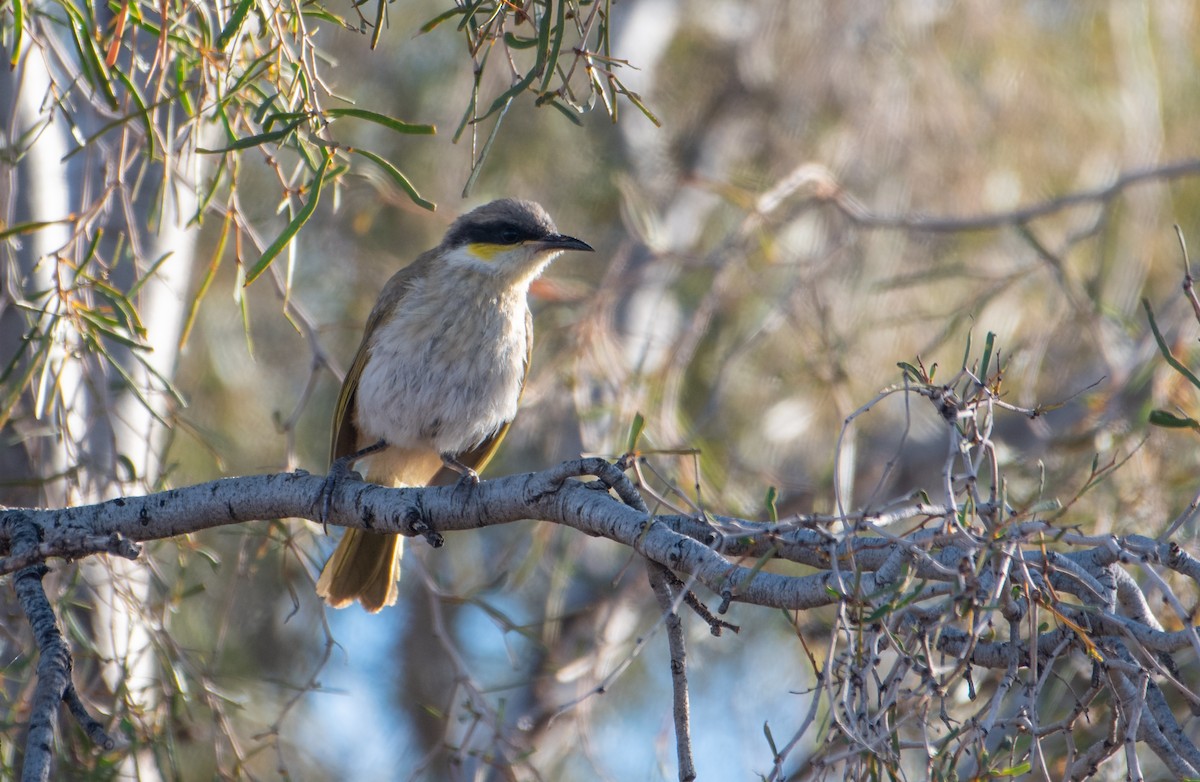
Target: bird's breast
column 443, row 371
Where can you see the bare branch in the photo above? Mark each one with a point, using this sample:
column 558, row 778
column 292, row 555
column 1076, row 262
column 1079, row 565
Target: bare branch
column 660, row 581
column 933, row 590
column 854, row 210
column 54, row 665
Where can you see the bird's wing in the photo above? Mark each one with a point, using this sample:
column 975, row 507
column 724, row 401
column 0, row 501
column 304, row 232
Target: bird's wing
column 478, row 457
column 345, row 432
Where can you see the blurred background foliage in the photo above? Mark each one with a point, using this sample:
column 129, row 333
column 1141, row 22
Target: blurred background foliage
column 789, row 216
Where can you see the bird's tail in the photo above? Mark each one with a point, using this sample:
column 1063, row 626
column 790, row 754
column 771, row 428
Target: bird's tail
column 364, row 567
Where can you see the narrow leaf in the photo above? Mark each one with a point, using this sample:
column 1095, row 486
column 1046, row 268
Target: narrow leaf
column 910, row 371
column 435, row 21
column 636, row 100
column 1166, row 351
column 141, row 111
column 566, row 112
column 137, row 286
column 380, row 13
column 381, row 119
column 988, row 344
column 548, row 61
column 635, row 432
column 25, row 228
column 206, row 283
column 772, row 511
column 397, row 177
column 18, row 7
column 1171, row 421
column 235, row 23
column 255, row 140
column 502, row 103
column 12, row 392
column 770, row 739
column 305, row 212
column 1014, row 771
column 513, row 42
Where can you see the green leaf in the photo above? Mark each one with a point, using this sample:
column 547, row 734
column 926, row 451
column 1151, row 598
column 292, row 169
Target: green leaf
column 636, row 100
column 137, row 285
column 18, row 27
column 25, row 228
column 1171, row 421
column 123, row 305
column 1166, row 351
column 206, row 283
column 264, row 107
column 283, row 116
column 547, row 64
column 469, row 10
column 141, row 111
column 1013, row 771
column 381, row 119
column 513, row 42
column 12, row 392
column 432, row 23
column 772, row 511
column 505, row 99
column 89, row 56
column 281, row 241
column 234, row 24
column 213, row 558
column 770, row 739
column 109, row 327
column 550, row 100
column 635, row 432
column 325, row 15
column 397, row 177
column 210, row 192
column 911, row 372
column 255, row 140
column 380, row 12
column 988, row 344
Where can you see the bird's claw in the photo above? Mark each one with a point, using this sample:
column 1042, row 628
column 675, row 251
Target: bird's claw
column 468, row 480
column 467, row 477
column 339, row 471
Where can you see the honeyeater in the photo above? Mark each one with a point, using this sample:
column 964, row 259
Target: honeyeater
column 438, row 375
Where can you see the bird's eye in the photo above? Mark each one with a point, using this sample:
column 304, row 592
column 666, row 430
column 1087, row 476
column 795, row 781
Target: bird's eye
column 509, row 235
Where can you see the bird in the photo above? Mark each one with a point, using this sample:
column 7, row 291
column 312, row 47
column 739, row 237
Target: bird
column 438, row 376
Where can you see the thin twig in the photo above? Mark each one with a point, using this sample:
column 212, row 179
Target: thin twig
column 660, row 581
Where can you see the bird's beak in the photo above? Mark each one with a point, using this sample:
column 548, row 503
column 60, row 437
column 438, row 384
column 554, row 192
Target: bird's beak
column 560, row 242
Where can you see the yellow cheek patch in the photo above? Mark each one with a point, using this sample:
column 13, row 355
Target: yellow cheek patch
column 484, row 252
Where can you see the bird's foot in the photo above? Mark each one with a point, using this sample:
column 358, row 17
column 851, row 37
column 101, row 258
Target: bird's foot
column 340, row 471
column 467, row 478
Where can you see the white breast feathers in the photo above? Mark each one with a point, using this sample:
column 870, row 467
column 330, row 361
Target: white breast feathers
column 445, row 371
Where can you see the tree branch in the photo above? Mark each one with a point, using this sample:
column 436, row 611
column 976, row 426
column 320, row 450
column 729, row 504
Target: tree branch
column 54, row 664
column 665, row 592
column 936, row 587
column 858, row 213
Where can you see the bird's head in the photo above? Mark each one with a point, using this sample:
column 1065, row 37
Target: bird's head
column 513, row 239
